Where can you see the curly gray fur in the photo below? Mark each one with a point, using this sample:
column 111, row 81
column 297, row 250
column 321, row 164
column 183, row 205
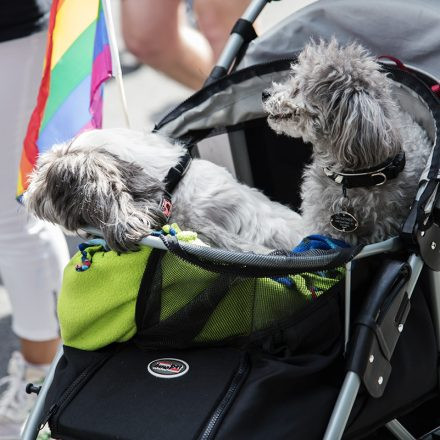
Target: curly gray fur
column 95, row 188
column 113, row 180
column 338, row 99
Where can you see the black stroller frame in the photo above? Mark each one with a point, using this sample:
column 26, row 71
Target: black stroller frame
column 370, row 342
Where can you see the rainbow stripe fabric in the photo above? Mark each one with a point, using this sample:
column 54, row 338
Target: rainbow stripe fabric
column 70, row 98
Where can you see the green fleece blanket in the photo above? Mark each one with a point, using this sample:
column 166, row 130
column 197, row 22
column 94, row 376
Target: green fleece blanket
column 96, row 306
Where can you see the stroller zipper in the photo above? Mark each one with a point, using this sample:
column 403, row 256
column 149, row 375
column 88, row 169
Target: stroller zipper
column 209, row 432
column 68, row 395
column 52, row 410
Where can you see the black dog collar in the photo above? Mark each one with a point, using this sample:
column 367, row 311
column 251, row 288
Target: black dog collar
column 172, row 179
column 375, row 176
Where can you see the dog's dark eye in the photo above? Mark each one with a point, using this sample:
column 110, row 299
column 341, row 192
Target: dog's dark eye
column 294, row 93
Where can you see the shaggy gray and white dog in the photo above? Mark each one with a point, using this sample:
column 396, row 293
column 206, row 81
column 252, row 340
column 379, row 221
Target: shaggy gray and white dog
column 338, row 99
column 113, row 180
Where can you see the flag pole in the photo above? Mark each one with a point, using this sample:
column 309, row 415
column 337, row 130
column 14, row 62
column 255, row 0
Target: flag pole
column 116, row 63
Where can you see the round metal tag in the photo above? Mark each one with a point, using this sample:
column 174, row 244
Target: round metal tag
column 168, row 368
column 344, row 222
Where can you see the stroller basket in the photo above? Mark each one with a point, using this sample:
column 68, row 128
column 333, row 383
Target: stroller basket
column 197, row 295
column 191, row 295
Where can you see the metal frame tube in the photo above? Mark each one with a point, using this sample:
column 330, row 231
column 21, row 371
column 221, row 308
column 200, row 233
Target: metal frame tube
column 434, row 284
column 31, row 428
column 347, row 304
column 416, row 264
column 235, row 41
column 399, row 431
column 390, row 245
column 343, row 407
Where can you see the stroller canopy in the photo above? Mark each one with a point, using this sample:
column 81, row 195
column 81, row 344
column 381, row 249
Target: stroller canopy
column 406, row 29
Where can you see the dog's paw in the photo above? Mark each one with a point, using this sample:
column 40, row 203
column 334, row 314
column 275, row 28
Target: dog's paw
column 124, row 235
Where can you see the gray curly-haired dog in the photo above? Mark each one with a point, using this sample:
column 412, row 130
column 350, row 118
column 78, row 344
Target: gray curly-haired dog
column 113, row 180
column 338, row 99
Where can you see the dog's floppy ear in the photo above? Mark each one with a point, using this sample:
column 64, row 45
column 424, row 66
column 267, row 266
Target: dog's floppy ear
column 135, row 210
column 362, row 130
column 123, row 203
column 92, row 187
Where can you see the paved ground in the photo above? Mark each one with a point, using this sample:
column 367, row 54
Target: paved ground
column 149, row 95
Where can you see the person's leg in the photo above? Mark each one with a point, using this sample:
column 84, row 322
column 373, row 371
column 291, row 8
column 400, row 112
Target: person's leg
column 215, row 19
column 32, row 254
column 155, row 31
column 39, row 352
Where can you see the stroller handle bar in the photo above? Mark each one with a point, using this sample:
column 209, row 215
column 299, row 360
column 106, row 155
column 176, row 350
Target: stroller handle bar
column 235, row 42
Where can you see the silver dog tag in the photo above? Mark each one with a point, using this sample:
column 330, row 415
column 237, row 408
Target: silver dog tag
column 344, row 222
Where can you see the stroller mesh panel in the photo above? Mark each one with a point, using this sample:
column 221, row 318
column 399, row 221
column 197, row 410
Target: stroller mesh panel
column 189, row 305
column 175, row 279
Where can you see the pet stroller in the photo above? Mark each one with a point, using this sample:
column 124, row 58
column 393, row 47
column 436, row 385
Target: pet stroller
column 245, row 354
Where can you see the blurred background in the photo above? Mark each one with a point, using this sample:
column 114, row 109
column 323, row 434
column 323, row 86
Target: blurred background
column 150, row 95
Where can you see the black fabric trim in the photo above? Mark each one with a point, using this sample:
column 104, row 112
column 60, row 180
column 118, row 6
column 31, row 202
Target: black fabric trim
column 146, row 305
column 20, row 19
column 234, row 78
column 245, row 29
column 23, row 31
column 216, row 73
column 415, row 83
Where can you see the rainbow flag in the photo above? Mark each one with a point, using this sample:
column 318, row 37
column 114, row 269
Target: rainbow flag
column 77, row 62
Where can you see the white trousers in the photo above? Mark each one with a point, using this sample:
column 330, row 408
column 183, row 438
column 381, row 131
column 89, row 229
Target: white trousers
column 32, row 253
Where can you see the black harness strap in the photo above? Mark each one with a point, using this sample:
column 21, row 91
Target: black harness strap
column 177, row 172
column 172, row 179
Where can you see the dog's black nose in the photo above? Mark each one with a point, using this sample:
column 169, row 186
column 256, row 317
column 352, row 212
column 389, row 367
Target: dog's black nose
column 265, row 95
